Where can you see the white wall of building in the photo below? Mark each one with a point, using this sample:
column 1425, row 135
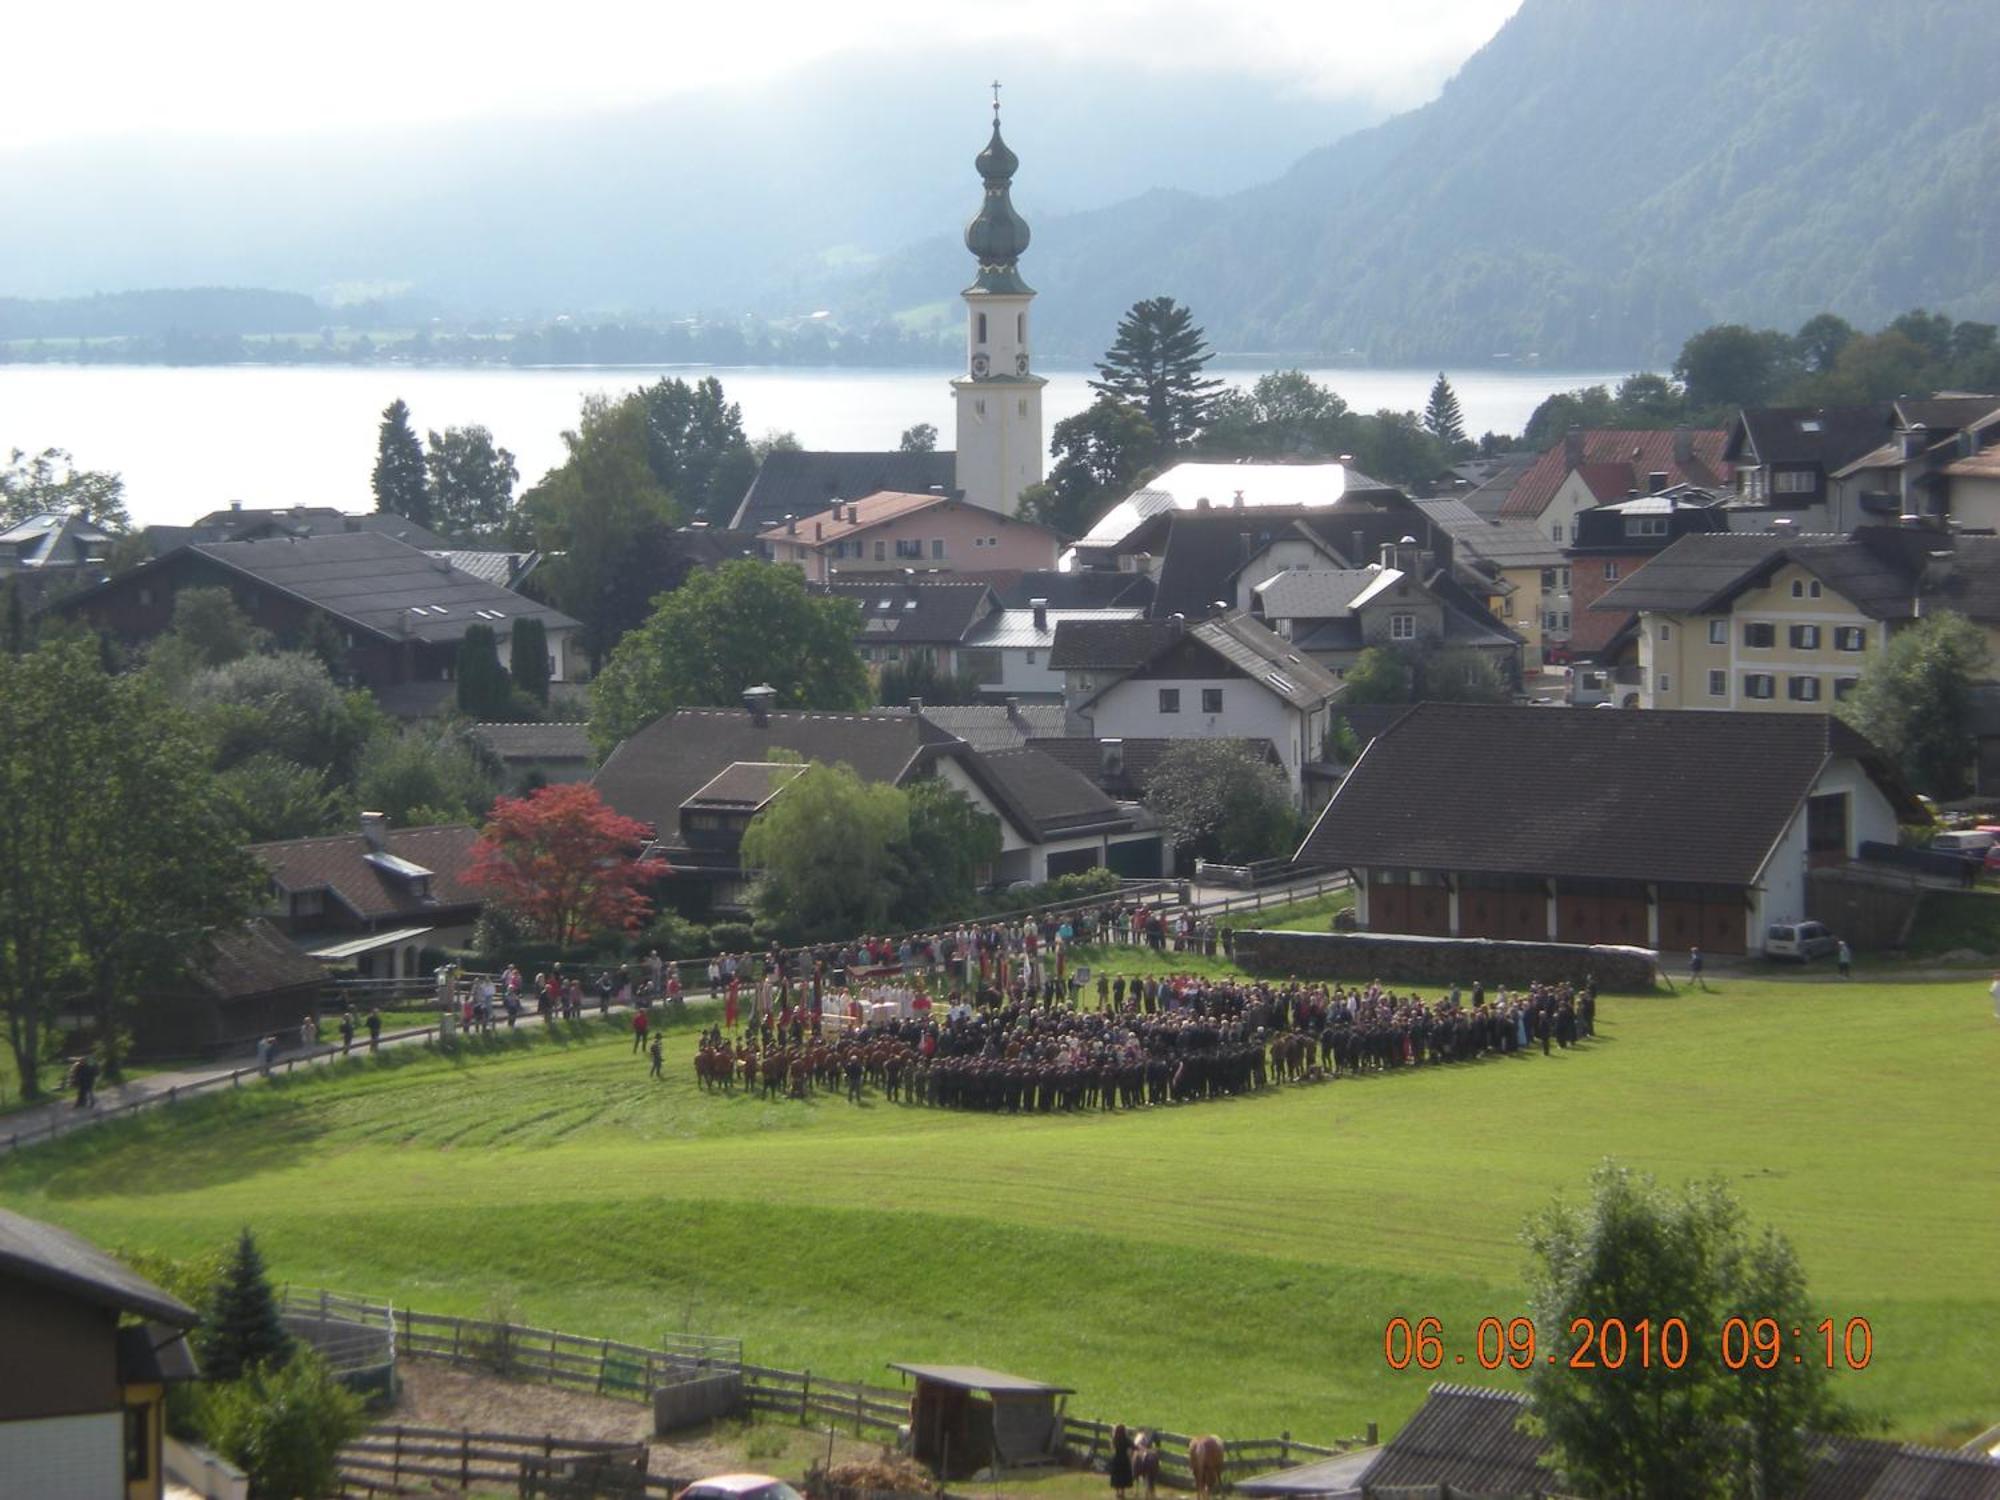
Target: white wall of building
column 1131, row 710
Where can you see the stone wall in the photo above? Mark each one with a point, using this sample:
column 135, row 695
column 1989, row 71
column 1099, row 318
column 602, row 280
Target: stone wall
column 1441, row 962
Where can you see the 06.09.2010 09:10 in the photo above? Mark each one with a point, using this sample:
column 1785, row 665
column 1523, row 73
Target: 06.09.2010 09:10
column 1616, row 1344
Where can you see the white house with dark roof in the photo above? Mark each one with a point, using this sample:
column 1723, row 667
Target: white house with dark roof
column 1222, row 678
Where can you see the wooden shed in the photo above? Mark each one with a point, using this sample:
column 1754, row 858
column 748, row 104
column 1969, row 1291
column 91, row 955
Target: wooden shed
column 964, row 1417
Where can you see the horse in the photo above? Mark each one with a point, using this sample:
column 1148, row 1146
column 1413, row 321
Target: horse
column 1205, row 1455
column 1145, row 1463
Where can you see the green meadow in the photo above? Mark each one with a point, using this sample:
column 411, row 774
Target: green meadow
column 1227, row 1266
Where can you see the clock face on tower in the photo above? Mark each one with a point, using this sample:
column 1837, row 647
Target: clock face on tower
column 979, row 364
column 1020, row 364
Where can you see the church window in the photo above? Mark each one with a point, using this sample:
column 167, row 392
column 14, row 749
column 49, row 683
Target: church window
column 982, row 328
column 1020, row 328
column 979, row 408
column 1023, row 406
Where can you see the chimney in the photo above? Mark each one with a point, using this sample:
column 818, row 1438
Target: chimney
column 1573, row 447
column 1656, row 481
column 236, row 505
column 1176, row 624
column 819, row 531
column 1201, row 503
column 916, row 707
column 1237, row 503
column 836, row 510
column 791, row 525
column 1111, row 759
column 375, row 829
column 1683, row 447
column 1041, row 609
column 758, row 700
column 1388, row 557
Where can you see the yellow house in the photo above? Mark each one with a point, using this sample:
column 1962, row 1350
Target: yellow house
column 1775, row 623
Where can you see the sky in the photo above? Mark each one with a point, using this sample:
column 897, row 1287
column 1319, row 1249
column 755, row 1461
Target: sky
column 91, row 69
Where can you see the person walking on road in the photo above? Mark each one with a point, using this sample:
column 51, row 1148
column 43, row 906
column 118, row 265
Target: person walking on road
column 374, row 1029
column 639, row 1030
column 347, row 1030
column 83, row 1076
column 1694, row 968
column 656, row 1050
column 1843, row 956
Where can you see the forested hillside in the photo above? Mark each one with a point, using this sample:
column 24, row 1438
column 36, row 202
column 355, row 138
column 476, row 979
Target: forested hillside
column 1600, row 180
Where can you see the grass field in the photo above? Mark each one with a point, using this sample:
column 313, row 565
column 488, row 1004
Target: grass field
column 1226, row 1266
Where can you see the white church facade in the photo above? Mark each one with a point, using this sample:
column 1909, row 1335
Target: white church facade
column 999, row 397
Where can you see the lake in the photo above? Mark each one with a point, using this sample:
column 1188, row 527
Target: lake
column 192, row 440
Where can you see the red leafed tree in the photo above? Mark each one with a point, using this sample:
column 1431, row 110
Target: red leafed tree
column 561, row 861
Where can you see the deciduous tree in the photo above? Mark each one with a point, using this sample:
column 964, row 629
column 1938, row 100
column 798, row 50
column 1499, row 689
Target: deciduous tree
column 1223, row 801
column 1659, row 1428
column 1914, row 702
column 1285, row 414
column 744, row 623
column 1100, row 455
column 951, row 841
column 565, row 865
column 1156, row 362
column 922, row 438
column 427, row 773
column 401, row 479
column 471, row 482
column 696, row 447
column 826, row 849
column 50, row 481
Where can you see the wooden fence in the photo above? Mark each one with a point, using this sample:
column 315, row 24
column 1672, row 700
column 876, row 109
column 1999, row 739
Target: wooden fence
column 399, row 1460
column 1091, row 1441
column 604, row 1367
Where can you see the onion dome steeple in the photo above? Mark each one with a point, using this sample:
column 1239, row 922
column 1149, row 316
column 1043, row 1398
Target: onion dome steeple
column 997, row 235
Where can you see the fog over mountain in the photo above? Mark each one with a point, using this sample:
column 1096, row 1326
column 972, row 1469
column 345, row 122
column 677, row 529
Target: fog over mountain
column 744, row 200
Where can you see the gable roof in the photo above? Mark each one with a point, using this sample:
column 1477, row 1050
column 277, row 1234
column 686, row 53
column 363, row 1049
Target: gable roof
column 659, row 767
column 878, row 508
column 236, row 523
column 995, row 726
column 1885, row 572
column 1319, row 593
column 1261, row 655
column 1110, row 645
column 803, row 484
column 1632, row 795
column 1830, row 436
column 340, row 865
column 54, row 539
column 371, row 581
column 520, row 742
column 1015, row 629
column 33, row 1251
column 255, row 958
column 745, row 785
column 1081, row 588
column 1137, row 759
column 1633, row 454
column 1040, row 796
column 1193, row 487
column 925, row 611
column 1470, row 1439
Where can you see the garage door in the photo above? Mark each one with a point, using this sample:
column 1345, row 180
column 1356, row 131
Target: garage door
column 1136, row 859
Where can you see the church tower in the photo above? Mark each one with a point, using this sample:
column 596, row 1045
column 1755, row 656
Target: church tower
column 999, row 439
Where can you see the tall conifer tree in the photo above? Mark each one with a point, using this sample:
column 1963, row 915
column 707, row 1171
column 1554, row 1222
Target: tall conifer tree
column 1156, row 363
column 402, row 482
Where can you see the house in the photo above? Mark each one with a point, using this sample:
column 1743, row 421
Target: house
column 248, row 981
column 1191, row 486
column 91, row 1348
column 905, row 620
column 1934, row 464
column 1533, row 572
column 1775, row 622
column 53, row 544
column 399, row 612
column 375, row 898
column 1008, row 725
column 1785, row 457
column 1015, row 588
column 964, row 1418
column 1403, row 601
column 236, row 523
column 1008, row 651
column 1124, row 768
column 1590, row 467
column 1223, row 678
column 890, row 532
column 1472, row 1440
column 536, row 755
column 793, row 483
column 1613, row 541
column 1656, row 830
column 698, row 776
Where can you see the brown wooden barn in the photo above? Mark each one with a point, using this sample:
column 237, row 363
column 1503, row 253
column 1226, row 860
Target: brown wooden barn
column 964, row 1417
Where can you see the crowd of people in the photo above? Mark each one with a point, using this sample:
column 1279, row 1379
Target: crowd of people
column 1146, row 1041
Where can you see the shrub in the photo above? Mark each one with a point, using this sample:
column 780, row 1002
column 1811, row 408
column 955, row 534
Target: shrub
column 284, row 1426
column 676, row 937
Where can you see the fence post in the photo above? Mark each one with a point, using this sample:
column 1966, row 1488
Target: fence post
column 465, row 1459
column 1372, row 1438
column 1285, row 1449
column 805, row 1390
column 396, row 1463
column 603, row 1358
column 857, row 1412
column 457, row 1328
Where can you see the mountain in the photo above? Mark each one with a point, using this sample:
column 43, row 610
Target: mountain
column 1601, row 179
column 715, row 202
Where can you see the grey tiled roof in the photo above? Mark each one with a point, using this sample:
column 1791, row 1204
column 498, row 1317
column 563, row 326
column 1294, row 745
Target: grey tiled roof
column 1042, row 797
column 1109, row 645
column 995, row 726
column 1632, row 795
column 535, row 741
column 803, row 484
column 33, row 1251
column 929, row 612
column 256, row 959
column 1259, row 654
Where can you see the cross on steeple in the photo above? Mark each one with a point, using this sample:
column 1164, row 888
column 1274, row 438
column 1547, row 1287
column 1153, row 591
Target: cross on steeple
column 996, row 101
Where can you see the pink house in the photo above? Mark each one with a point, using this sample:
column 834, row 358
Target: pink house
column 889, row 532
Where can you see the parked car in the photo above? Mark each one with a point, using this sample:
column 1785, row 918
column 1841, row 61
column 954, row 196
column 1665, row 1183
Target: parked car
column 1975, row 841
column 1803, row 941
column 739, row 1487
